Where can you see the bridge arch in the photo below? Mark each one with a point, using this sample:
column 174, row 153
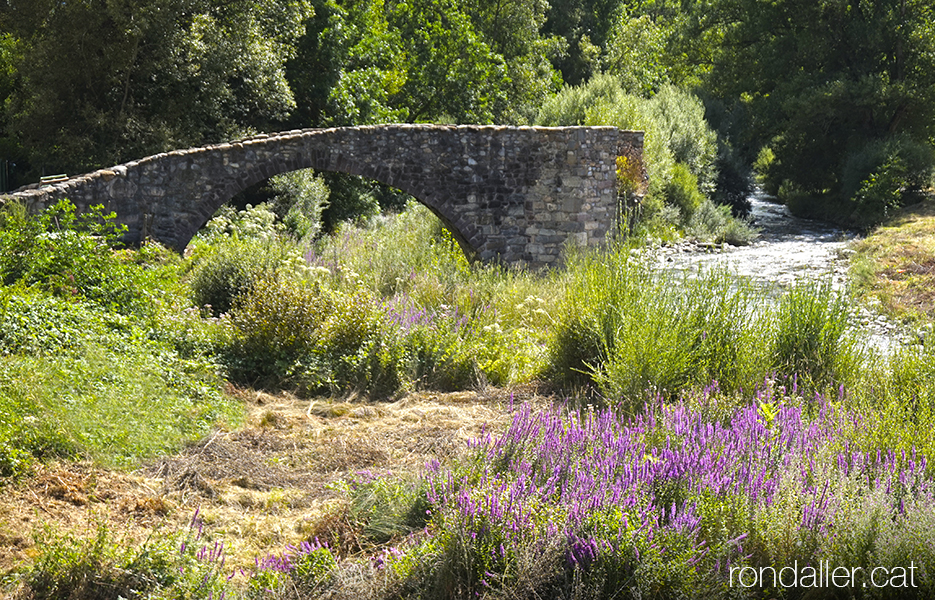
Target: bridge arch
column 514, row 194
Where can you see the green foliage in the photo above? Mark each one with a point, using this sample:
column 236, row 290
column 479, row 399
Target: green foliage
column 70, row 255
column 428, row 60
column 313, row 569
column 233, row 266
column 846, row 93
column 275, row 322
column 570, row 106
column 713, row 222
column 77, row 405
column 252, row 223
column 884, row 175
column 76, row 342
column 679, row 152
column 628, row 331
column 288, row 333
column 354, row 354
column 678, row 117
column 390, row 255
column 636, row 54
column 585, row 27
column 682, row 191
column 100, row 83
column 301, row 196
column 813, row 341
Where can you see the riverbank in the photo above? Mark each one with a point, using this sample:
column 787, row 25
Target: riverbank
column 894, row 266
column 389, row 489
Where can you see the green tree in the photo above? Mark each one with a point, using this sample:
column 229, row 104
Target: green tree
column 102, row 81
column 585, row 26
column 823, row 80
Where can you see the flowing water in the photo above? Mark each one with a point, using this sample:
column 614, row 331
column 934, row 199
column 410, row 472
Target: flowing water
column 787, row 249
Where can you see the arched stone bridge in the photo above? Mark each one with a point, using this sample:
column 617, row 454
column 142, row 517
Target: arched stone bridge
column 514, row 194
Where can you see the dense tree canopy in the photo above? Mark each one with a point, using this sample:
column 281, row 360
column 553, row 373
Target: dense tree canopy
column 825, row 82
column 103, row 80
column 833, row 100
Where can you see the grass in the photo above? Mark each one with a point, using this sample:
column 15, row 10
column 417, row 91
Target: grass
column 895, row 264
column 84, row 371
column 698, row 422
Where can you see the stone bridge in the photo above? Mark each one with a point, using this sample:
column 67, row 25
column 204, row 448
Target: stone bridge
column 513, row 194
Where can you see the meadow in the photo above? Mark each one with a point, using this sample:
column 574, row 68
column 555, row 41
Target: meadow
column 698, row 430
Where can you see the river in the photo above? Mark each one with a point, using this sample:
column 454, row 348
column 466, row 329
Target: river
column 787, row 249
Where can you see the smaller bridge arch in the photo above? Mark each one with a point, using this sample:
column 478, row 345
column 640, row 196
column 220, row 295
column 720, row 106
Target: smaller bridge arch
column 513, row 194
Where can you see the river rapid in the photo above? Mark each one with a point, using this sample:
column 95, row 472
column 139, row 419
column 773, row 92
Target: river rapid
column 786, row 250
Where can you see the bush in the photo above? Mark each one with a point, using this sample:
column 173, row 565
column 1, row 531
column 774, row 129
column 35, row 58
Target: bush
column 682, row 191
column 734, row 183
column 678, row 118
column 275, row 322
column 232, row 266
column 884, row 175
column 570, row 106
column 300, row 198
column 354, row 353
column 71, row 256
column 288, row 333
column 715, row 223
column 393, row 253
column 253, row 222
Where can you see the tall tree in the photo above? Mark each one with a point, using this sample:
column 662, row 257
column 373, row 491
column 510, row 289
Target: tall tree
column 823, row 80
column 102, row 81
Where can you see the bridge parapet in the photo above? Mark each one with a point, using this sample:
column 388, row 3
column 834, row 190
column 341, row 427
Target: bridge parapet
column 513, row 194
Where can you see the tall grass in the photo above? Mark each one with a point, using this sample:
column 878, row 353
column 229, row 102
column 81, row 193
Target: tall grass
column 814, row 340
column 635, row 333
column 606, row 321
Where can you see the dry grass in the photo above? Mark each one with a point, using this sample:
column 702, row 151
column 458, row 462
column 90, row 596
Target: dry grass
column 275, row 481
column 896, row 263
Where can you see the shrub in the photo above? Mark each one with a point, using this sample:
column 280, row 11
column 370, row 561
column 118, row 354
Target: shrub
column 734, row 183
column 678, row 118
column 277, row 321
column 715, row 223
column 232, row 267
column 443, row 348
column 288, row 333
column 682, row 191
column 253, row 222
column 570, row 106
column 70, row 255
column 682, row 334
column 300, row 197
column 883, row 174
column 354, row 353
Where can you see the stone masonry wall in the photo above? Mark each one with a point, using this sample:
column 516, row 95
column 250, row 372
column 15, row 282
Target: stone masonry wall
column 513, row 194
